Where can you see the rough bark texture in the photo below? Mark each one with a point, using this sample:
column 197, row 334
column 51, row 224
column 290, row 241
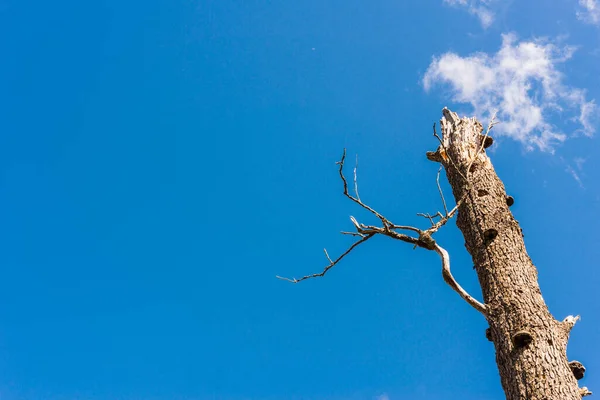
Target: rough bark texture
column 530, row 343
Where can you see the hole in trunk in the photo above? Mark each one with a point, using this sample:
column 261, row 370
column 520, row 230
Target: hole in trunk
column 490, row 235
column 522, row 339
column 482, row 192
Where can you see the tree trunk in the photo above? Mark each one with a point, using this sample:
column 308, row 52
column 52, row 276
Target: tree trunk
column 530, row 344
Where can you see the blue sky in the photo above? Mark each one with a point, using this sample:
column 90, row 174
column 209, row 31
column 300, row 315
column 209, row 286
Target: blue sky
column 162, row 161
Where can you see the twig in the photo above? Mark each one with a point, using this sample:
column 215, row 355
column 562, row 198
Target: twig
column 327, row 255
column 354, row 199
column 429, row 217
column 331, row 264
column 440, row 190
column 438, row 137
column 355, row 180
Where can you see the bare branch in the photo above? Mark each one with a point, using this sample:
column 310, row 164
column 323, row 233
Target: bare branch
column 449, row 279
column 331, row 264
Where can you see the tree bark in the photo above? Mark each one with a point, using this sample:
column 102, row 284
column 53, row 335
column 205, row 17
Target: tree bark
column 530, row 343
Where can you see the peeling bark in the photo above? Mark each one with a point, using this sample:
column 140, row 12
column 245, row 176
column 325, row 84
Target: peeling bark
column 530, row 343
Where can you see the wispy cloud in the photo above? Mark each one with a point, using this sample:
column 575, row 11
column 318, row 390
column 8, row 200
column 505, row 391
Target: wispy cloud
column 522, row 82
column 575, row 175
column 579, row 161
column 480, row 8
column 383, row 397
column 589, row 11
column 575, row 172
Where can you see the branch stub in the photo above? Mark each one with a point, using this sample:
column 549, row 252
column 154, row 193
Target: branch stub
column 434, row 156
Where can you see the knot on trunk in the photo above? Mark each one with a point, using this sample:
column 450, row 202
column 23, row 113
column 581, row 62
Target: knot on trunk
column 510, row 201
column 578, row 369
column 522, row 339
column 488, row 334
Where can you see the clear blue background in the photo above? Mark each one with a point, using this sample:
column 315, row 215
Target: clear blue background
column 161, row 161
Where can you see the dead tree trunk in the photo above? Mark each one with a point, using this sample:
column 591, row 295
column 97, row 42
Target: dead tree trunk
column 530, row 343
column 531, row 346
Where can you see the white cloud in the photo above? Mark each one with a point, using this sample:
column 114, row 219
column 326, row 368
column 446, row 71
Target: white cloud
column 480, row 8
column 590, row 11
column 521, row 81
column 383, row 397
column 587, row 115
